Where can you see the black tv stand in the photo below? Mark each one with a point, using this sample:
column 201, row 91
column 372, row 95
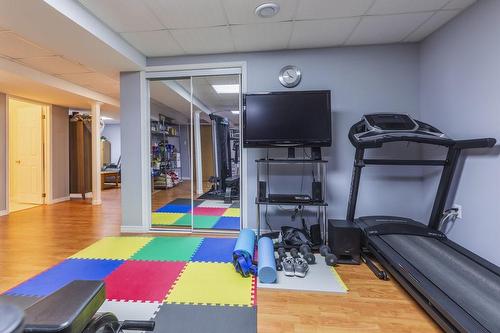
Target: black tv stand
column 287, row 199
column 315, row 153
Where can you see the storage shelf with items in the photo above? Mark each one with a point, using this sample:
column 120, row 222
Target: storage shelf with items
column 165, row 154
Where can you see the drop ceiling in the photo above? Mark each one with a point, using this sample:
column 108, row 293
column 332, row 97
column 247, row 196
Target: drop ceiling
column 178, row 27
column 18, row 49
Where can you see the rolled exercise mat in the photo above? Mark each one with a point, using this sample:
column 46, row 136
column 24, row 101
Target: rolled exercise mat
column 267, row 262
column 243, row 253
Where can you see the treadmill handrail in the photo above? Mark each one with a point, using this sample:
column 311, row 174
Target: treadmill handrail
column 475, row 143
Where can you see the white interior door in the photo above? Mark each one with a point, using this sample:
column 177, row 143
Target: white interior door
column 26, row 152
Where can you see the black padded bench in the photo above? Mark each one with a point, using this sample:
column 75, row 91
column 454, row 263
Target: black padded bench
column 68, row 310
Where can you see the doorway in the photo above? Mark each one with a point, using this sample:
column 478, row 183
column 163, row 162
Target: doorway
column 206, row 196
column 26, row 154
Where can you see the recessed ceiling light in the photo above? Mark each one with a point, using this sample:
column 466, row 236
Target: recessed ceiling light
column 267, row 10
column 106, row 118
column 227, row 88
column 235, row 112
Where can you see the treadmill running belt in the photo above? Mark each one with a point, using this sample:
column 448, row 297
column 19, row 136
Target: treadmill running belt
column 471, row 286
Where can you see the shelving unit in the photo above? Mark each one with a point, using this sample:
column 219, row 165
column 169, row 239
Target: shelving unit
column 165, row 153
column 320, row 172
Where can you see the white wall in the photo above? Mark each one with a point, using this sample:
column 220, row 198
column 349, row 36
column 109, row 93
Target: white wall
column 112, row 133
column 363, row 80
column 459, row 84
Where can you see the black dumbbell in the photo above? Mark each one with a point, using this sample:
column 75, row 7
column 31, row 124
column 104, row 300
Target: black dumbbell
column 279, row 266
column 306, row 252
column 281, row 253
column 330, row 258
column 294, row 253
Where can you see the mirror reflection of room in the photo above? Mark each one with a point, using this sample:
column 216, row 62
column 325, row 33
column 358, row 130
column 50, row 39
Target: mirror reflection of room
column 203, row 193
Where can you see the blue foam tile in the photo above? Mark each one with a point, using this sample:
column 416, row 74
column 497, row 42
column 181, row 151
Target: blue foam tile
column 169, row 208
column 215, row 250
column 228, row 223
column 61, row 274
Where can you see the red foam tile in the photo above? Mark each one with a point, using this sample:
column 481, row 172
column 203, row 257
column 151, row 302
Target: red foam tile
column 209, row 211
column 142, row 280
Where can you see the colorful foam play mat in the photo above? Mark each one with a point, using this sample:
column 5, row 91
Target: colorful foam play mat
column 184, row 284
column 205, row 214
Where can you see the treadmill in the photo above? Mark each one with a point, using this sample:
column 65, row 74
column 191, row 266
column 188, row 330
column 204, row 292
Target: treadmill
column 458, row 289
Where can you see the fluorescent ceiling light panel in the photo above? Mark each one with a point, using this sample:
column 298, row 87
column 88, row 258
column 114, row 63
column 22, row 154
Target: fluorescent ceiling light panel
column 235, row 112
column 106, row 118
column 226, row 88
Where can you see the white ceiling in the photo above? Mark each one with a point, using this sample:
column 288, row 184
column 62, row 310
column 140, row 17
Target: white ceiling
column 18, row 49
column 177, row 27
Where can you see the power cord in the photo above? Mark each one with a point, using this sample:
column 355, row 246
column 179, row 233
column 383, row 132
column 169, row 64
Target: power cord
column 449, row 215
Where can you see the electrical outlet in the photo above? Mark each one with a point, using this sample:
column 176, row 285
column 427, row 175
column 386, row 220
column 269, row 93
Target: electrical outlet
column 459, row 210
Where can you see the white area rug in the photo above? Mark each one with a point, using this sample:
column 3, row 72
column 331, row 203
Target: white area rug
column 320, row 277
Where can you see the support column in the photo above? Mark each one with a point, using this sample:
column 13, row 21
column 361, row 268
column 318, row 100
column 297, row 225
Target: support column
column 135, row 136
column 197, row 152
column 96, row 153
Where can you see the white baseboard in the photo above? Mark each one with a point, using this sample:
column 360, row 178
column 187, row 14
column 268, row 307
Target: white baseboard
column 135, row 229
column 58, row 200
column 3, row 212
column 79, row 195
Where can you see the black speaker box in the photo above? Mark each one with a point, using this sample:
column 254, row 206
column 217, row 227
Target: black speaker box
column 317, row 192
column 344, row 239
column 261, row 191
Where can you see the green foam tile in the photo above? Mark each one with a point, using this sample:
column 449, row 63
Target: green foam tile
column 200, row 221
column 169, row 249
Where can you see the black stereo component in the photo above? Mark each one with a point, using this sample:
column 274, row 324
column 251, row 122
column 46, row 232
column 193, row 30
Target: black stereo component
column 317, row 192
column 344, row 239
column 261, row 191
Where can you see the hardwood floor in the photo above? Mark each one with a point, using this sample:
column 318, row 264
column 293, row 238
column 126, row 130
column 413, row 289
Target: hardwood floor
column 35, row 239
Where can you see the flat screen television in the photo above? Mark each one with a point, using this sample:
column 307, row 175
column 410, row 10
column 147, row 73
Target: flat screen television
column 287, row 119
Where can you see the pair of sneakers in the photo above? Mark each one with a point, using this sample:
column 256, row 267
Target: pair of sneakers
column 295, row 267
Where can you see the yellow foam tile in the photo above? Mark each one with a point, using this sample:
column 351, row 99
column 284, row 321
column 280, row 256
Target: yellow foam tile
column 232, row 212
column 114, row 248
column 165, row 218
column 211, row 283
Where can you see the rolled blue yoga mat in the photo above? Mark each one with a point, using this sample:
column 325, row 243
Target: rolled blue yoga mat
column 267, row 262
column 246, row 242
column 243, row 253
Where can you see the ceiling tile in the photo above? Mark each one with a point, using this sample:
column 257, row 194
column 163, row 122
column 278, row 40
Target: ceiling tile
column 384, row 7
column 124, row 15
column 243, row 11
column 54, row 65
column 435, row 22
column 13, row 46
column 204, row 40
column 386, row 29
column 322, row 33
column 459, row 4
column 261, row 37
column 175, row 14
column 94, row 81
column 154, row 43
column 321, row 9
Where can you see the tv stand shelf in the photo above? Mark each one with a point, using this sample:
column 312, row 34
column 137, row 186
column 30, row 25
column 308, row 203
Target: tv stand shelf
column 289, row 161
column 319, row 173
column 290, row 203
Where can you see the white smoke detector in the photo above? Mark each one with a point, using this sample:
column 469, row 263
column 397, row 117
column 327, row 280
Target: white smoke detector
column 267, row 10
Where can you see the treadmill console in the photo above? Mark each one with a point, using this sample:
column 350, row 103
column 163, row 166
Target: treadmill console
column 385, row 127
column 383, row 122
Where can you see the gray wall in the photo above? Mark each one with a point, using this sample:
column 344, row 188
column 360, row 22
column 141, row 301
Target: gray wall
column 3, row 152
column 362, row 80
column 60, row 152
column 460, row 81
column 112, row 133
